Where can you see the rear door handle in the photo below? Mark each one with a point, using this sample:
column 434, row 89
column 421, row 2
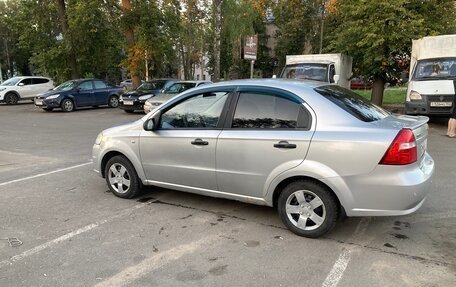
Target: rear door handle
column 284, row 144
column 199, row 142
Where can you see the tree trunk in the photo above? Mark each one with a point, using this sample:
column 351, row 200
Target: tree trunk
column 61, row 9
column 218, row 30
column 377, row 91
column 130, row 37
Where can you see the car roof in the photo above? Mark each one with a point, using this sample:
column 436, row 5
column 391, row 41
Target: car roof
column 274, row 83
column 193, row 82
column 29, row 77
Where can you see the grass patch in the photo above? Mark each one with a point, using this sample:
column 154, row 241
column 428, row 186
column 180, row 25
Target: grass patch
column 390, row 95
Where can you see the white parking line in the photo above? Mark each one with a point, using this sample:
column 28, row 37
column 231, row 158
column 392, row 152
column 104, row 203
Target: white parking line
column 338, row 269
column 44, row 174
column 69, row 235
column 150, row 264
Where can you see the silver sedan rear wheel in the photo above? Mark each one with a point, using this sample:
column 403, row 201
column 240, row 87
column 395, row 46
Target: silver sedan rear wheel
column 305, row 210
column 308, row 208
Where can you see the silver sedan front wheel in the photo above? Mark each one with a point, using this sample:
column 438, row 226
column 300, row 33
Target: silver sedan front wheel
column 308, row 208
column 121, row 177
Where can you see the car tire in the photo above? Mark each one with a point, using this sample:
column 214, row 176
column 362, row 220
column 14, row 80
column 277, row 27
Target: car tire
column 113, row 102
column 47, row 109
column 11, row 99
column 308, row 208
column 129, row 111
column 67, row 105
column 121, row 177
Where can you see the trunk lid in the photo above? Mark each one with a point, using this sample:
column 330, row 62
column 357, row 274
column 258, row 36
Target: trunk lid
column 418, row 125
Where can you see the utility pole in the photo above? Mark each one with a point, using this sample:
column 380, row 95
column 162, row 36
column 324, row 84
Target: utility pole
column 322, row 25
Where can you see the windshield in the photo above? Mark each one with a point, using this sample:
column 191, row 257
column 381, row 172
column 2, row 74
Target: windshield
column 66, row 86
column 431, row 69
column 179, row 88
column 152, row 85
column 11, row 82
column 310, row 71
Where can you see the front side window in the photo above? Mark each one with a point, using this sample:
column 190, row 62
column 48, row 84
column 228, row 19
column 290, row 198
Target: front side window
column 200, row 111
column 267, row 111
column 86, row 86
column 100, row 85
column 179, row 88
column 26, row 82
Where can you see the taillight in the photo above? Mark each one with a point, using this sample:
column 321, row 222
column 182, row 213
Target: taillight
column 402, row 151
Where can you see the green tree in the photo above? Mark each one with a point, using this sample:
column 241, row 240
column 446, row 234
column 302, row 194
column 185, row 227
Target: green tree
column 378, row 33
column 299, row 24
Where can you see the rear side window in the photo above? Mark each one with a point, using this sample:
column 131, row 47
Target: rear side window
column 352, row 103
column 99, row 85
column 257, row 110
column 37, row 81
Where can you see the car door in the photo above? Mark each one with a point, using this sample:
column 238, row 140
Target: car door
column 182, row 151
column 267, row 133
column 83, row 94
column 25, row 88
column 40, row 85
column 101, row 93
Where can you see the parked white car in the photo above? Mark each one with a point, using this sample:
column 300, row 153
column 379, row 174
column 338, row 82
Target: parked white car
column 23, row 88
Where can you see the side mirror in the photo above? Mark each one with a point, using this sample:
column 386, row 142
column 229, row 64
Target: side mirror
column 78, row 90
column 151, row 124
column 21, row 84
column 336, row 79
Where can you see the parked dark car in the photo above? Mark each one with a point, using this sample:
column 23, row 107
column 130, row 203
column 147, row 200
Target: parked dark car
column 134, row 100
column 79, row 93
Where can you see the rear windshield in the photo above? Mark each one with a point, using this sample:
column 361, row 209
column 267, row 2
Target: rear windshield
column 352, row 103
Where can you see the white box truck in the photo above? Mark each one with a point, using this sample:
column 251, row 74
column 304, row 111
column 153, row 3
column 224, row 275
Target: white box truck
column 430, row 89
column 329, row 68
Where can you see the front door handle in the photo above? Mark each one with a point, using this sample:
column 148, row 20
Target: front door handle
column 284, row 144
column 199, row 142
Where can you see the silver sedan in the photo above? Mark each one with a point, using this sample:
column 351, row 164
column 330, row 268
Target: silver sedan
column 314, row 151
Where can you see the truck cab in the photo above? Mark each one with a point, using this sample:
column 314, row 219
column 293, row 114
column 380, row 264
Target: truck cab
column 328, row 68
column 432, row 70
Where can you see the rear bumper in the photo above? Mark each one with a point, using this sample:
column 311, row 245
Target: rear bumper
column 386, row 191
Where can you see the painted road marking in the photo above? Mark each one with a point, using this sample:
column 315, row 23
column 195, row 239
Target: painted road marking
column 69, row 235
column 338, row 269
column 132, row 273
column 44, row 174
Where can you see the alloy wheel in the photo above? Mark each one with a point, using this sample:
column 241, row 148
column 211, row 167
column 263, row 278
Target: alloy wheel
column 119, row 178
column 305, row 210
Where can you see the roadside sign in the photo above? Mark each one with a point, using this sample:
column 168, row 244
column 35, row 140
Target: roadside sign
column 250, row 48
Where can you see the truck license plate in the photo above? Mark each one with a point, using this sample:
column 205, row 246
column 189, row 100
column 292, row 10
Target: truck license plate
column 441, row 104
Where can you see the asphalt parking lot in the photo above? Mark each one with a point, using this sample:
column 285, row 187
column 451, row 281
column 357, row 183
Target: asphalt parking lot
column 75, row 233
